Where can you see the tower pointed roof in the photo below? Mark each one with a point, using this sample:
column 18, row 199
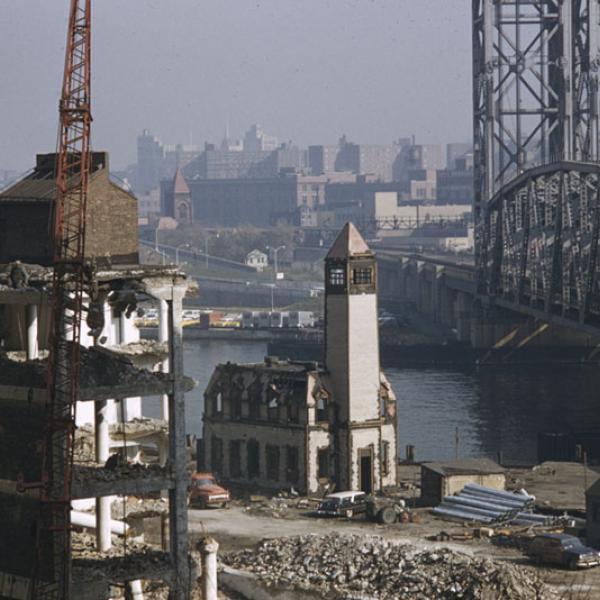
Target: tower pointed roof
column 179, row 184
column 349, row 243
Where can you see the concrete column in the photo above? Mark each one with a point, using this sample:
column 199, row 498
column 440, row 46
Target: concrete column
column 178, row 517
column 163, row 337
column 32, row 331
column 135, row 587
column 103, row 538
column 208, row 549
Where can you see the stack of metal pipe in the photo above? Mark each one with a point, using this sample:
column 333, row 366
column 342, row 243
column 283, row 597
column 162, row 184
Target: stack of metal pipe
column 479, row 503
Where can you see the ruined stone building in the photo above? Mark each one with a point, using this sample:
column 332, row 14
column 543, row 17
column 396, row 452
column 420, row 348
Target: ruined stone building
column 117, row 377
column 281, row 423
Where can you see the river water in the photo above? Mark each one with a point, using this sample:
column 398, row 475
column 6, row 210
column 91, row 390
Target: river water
column 495, row 408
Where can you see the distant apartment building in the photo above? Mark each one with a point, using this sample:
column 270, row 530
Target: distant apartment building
column 156, row 161
column 219, row 163
column 360, row 159
column 261, row 202
column 256, row 140
column 455, row 151
column 456, row 185
column 417, row 158
column 150, row 158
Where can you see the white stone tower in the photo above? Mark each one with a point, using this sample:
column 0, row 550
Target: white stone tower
column 366, row 442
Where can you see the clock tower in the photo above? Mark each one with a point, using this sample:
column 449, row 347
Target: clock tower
column 366, row 436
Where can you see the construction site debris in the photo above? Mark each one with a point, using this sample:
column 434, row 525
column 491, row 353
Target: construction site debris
column 87, row 474
column 478, row 503
column 373, row 568
column 100, row 367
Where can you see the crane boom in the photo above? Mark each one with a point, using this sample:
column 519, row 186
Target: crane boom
column 52, row 577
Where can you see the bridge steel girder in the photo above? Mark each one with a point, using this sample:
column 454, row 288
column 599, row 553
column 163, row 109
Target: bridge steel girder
column 543, row 243
column 535, row 102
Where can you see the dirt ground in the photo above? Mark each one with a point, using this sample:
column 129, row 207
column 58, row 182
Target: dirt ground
column 244, row 524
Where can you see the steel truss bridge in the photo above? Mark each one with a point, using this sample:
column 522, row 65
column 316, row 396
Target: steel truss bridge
column 537, row 177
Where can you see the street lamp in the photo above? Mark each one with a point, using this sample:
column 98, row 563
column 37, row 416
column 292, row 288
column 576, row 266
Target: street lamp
column 275, row 251
column 206, row 247
column 184, row 245
column 156, row 239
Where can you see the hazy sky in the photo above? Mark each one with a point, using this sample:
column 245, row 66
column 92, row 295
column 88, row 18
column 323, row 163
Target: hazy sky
column 307, row 70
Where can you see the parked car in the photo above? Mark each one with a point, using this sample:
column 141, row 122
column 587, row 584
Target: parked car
column 343, row 504
column 562, row 549
column 205, row 492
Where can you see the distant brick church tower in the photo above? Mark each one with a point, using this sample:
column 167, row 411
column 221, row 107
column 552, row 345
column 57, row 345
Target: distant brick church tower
column 365, row 401
column 182, row 199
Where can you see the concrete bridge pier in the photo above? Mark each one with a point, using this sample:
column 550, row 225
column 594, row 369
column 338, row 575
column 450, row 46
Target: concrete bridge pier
column 463, row 307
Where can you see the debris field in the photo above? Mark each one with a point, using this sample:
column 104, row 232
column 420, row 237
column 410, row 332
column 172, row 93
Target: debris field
column 358, row 567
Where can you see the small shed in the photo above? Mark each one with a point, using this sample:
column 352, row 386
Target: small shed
column 592, row 514
column 439, row 479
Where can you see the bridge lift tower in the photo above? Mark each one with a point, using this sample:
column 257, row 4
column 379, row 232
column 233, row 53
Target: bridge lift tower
column 536, row 144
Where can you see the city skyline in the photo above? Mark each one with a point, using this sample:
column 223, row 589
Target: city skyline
column 184, row 69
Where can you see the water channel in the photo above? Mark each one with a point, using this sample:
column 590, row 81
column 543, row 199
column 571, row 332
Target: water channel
column 497, row 409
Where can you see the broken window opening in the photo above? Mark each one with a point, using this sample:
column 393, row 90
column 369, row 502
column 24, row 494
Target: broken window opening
column 216, row 454
column 292, row 471
column 236, row 406
column 322, row 416
column 293, row 411
column 235, row 458
column 218, row 404
column 323, row 463
column 273, row 409
column 272, row 462
column 253, row 459
column 385, row 458
column 362, row 276
column 254, row 407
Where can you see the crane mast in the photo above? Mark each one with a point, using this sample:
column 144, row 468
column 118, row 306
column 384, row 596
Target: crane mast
column 52, row 576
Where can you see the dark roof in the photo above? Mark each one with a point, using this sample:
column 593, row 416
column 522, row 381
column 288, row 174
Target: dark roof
column 465, row 466
column 40, row 184
column 349, row 243
column 594, row 489
column 179, row 184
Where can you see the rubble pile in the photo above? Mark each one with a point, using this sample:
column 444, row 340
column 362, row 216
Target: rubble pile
column 85, row 474
column 344, row 566
column 99, row 368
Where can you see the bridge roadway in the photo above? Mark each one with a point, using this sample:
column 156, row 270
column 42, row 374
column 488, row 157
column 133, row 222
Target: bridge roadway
column 444, row 289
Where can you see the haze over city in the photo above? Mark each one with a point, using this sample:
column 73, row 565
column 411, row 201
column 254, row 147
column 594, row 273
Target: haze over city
column 308, row 71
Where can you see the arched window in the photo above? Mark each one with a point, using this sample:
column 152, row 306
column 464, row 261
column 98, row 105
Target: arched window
column 322, row 409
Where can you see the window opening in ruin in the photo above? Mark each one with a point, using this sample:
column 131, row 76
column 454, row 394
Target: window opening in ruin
column 336, row 276
column 273, row 409
column 254, row 407
column 292, row 473
column 235, row 458
column 253, row 459
column 236, row 406
column 218, row 404
column 323, row 463
column 322, row 409
column 385, row 458
column 216, row 454
column 362, row 276
column 272, row 462
column 293, row 411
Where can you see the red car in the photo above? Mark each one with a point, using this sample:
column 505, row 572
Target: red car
column 205, row 492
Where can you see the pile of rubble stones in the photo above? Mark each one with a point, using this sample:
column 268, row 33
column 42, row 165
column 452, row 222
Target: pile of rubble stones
column 344, row 566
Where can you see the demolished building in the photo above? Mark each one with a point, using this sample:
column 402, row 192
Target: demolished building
column 116, row 377
column 281, row 423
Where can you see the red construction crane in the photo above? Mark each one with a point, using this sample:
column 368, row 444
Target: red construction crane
column 52, row 577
